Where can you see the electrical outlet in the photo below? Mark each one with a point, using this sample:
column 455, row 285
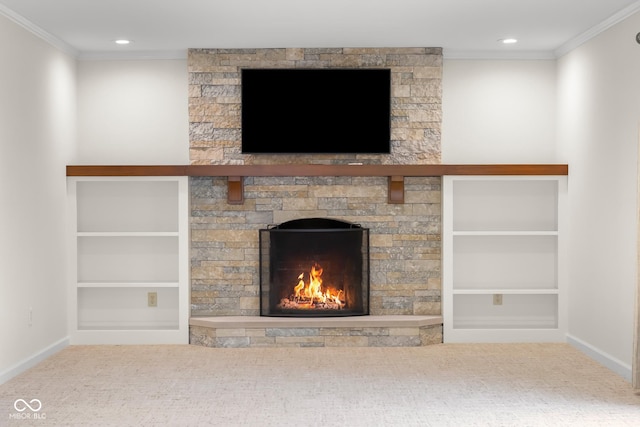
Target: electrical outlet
column 152, row 299
column 497, row 299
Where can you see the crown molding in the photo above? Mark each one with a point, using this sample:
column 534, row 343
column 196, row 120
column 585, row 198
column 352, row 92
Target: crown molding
column 133, row 55
column 597, row 29
column 39, row 32
column 497, row 54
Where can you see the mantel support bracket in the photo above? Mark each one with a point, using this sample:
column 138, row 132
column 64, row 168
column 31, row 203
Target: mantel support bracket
column 235, row 190
column 396, row 189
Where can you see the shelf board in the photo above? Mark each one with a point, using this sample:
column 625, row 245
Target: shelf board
column 126, row 170
column 119, row 327
column 506, row 233
column 527, row 291
column 127, row 284
column 127, row 234
column 504, row 325
column 316, row 170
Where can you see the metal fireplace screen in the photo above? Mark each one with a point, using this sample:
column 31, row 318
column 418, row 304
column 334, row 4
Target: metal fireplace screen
column 314, row 267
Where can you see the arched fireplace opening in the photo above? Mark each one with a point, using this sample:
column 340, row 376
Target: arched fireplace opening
column 314, row 267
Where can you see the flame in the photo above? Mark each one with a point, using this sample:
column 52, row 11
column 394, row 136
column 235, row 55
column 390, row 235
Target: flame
column 307, row 295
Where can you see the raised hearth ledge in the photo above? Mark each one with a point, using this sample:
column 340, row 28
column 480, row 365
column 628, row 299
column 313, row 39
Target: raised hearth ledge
column 352, row 331
column 315, row 322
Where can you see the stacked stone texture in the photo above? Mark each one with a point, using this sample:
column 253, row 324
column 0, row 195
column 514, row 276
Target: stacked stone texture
column 405, row 238
column 316, row 337
column 214, row 101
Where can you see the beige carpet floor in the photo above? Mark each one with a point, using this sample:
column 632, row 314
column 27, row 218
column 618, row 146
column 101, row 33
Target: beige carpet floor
column 454, row 385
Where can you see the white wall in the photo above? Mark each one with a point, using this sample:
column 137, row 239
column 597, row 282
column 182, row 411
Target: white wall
column 599, row 112
column 37, row 140
column 499, row 111
column 133, row 112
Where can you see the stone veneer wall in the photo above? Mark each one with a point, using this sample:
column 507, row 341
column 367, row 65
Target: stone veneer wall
column 214, row 101
column 404, row 238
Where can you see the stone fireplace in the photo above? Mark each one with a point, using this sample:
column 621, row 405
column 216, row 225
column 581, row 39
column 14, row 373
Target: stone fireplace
column 405, row 247
column 404, row 238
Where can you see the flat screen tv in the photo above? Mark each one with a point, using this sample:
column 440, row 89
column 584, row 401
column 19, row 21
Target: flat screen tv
column 316, row 111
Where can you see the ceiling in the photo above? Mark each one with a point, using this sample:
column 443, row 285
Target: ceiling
column 463, row 28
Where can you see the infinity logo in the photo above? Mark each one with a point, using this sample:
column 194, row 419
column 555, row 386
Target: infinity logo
column 24, row 405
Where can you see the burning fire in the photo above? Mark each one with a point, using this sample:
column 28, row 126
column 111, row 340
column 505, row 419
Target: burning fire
column 310, row 294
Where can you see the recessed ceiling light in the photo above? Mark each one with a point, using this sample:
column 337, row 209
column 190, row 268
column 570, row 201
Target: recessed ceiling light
column 123, row 41
column 508, row 41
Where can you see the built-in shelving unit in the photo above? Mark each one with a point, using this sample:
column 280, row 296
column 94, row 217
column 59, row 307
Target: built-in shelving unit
column 503, row 247
column 503, row 267
column 128, row 247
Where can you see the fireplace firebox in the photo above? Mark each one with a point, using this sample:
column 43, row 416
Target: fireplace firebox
column 314, row 267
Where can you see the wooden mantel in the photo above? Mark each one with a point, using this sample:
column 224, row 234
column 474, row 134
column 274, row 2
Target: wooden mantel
column 396, row 173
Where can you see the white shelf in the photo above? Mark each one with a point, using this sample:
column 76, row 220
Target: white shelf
column 503, row 235
column 126, row 204
column 505, row 291
column 514, row 204
column 128, row 258
column 128, row 237
column 126, row 308
column 128, row 284
column 517, row 311
column 128, row 234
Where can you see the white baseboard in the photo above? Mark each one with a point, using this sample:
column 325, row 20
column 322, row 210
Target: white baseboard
column 601, row 357
column 32, row 361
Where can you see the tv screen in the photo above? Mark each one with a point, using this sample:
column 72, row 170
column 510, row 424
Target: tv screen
column 316, row 111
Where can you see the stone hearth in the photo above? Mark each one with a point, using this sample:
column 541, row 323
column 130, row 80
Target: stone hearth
column 364, row 331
